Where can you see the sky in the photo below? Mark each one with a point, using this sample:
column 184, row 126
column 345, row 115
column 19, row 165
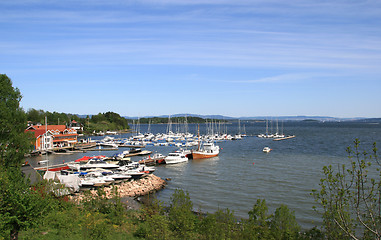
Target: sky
column 236, row 58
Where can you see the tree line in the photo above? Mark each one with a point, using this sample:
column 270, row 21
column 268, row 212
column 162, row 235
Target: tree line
column 108, row 121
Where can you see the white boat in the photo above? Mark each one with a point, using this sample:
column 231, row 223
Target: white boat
column 92, row 163
column 118, row 175
column 134, row 173
column 108, row 144
column 135, row 170
column 134, row 152
column 176, row 157
column 91, row 180
column 266, row 149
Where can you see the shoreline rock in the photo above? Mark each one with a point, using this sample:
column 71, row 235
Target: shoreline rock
column 130, row 189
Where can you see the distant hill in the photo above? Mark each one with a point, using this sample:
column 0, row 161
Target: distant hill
column 368, row 120
column 284, row 118
column 187, row 115
column 293, row 118
column 256, row 118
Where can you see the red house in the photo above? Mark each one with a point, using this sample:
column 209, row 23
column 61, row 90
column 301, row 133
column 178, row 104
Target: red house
column 53, row 136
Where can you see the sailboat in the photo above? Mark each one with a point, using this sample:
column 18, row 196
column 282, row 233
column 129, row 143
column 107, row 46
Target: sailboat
column 208, row 150
column 266, row 135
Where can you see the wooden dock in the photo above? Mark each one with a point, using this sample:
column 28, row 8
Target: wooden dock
column 101, row 149
column 284, row 138
column 57, row 167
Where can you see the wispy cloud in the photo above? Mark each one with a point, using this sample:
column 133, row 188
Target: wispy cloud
column 284, row 78
column 246, row 34
column 242, row 42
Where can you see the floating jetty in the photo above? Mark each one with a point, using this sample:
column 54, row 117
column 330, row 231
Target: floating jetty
column 102, row 149
column 284, row 138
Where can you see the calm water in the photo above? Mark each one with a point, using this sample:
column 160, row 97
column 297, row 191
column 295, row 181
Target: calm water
column 243, row 173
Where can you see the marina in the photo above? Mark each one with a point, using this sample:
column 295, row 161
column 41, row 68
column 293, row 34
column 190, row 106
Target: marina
column 242, row 173
column 243, row 119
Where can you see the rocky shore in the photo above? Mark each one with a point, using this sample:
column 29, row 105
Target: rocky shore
column 131, row 189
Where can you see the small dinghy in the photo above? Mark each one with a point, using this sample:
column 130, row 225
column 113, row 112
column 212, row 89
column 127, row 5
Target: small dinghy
column 266, row 149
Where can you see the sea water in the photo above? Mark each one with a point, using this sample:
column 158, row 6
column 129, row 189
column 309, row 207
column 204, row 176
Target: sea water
column 242, row 173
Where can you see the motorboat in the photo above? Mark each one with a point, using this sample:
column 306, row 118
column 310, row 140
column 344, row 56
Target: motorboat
column 91, row 180
column 208, row 150
column 114, row 176
column 135, row 170
column 134, row 152
column 176, row 157
column 92, row 163
column 266, row 149
column 156, row 158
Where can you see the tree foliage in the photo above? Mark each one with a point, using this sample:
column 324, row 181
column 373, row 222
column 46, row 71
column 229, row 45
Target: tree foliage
column 181, row 217
column 283, row 224
column 20, row 206
column 99, row 122
column 54, row 118
column 351, row 196
column 14, row 143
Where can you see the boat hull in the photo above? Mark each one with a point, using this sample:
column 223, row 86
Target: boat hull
column 201, row 155
column 174, row 161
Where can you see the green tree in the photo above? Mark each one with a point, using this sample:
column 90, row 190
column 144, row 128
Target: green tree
column 181, row 216
column 20, row 206
column 258, row 225
column 220, row 225
column 350, row 197
column 36, row 116
column 283, row 224
column 14, row 143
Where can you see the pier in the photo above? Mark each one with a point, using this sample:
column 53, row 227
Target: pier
column 284, row 138
column 102, row 149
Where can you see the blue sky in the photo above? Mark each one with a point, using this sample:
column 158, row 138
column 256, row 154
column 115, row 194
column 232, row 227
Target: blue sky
column 235, row 58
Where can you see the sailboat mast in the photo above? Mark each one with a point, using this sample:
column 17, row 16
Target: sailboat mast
column 149, row 126
column 198, row 134
column 267, row 127
column 277, row 129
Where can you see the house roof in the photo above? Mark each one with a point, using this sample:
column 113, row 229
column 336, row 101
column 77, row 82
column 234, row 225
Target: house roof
column 40, row 129
column 38, row 132
column 61, row 128
column 65, row 135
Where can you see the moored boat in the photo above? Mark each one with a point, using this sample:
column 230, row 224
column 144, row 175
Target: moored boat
column 176, row 157
column 208, row 150
column 156, row 158
column 92, row 163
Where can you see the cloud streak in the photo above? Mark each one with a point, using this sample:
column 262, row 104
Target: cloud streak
column 284, row 78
